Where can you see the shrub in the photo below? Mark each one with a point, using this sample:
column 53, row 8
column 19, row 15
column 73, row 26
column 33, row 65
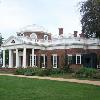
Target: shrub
column 20, row 71
column 85, row 72
column 67, row 69
column 32, row 71
column 43, row 72
column 96, row 75
column 57, row 71
column 29, row 72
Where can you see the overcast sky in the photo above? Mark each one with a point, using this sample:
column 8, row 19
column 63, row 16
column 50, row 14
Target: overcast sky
column 51, row 14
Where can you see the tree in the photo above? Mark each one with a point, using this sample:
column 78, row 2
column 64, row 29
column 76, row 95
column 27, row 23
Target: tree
column 1, row 39
column 6, row 52
column 90, row 12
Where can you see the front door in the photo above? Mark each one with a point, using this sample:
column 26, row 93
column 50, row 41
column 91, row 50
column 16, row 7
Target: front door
column 20, row 61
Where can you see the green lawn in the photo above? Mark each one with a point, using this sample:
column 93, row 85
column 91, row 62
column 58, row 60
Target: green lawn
column 14, row 88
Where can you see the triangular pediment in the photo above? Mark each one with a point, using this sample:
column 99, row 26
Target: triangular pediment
column 12, row 41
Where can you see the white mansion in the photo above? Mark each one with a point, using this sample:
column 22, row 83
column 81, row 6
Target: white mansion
column 34, row 46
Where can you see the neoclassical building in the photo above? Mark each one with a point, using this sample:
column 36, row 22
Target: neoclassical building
column 34, row 46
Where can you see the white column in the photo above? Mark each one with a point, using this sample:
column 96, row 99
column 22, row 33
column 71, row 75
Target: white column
column 32, row 57
column 3, row 58
column 17, row 58
column 10, row 59
column 24, row 57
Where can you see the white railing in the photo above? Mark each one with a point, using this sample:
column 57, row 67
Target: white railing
column 73, row 40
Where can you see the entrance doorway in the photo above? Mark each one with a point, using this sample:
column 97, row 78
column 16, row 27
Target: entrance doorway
column 20, row 61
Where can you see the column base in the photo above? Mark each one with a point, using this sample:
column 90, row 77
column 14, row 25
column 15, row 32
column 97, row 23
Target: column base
column 3, row 66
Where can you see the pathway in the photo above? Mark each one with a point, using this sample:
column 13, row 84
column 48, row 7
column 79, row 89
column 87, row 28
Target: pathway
column 59, row 79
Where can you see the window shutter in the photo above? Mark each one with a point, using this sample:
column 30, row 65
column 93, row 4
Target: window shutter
column 41, row 61
column 46, row 61
column 82, row 58
column 37, row 61
column 74, row 59
column 57, row 61
column 29, row 60
column 52, row 61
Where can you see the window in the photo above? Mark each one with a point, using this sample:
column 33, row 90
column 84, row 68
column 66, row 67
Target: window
column 31, row 60
column 42, row 60
column 45, row 37
column 69, row 59
column 74, row 59
column 13, row 41
column 54, row 60
column 78, row 59
column 33, row 36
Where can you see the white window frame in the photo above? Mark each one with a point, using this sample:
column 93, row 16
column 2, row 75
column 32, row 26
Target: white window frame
column 69, row 55
column 54, row 63
column 78, row 55
column 43, row 60
column 31, row 60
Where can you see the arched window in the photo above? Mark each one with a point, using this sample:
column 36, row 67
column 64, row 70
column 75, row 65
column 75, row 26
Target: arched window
column 33, row 36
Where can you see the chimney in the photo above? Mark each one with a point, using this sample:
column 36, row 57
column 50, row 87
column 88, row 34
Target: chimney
column 82, row 35
column 60, row 31
column 75, row 33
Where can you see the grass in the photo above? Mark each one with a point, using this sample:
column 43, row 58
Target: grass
column 14, row 88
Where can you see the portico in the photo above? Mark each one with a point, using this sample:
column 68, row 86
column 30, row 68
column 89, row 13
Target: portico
column 18, row 61
column 18, row 53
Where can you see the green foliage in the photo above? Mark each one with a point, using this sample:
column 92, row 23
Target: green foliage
column 90, row 12
column 1, row 39
column 29, row 71
column 86, row 73
column 57, row 71
column 97, row 75
column 20, row 71
column 39, row 71
column 32, row 71
column 43, row 72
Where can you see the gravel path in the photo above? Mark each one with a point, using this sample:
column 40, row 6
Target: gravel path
column 59, row 79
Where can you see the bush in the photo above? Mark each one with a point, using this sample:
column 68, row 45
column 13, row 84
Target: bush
column 96, row 75
column 43, row 72
column 20, row 71
column 29, row 72
column 32, row 71
column 85, row 72
column 57, row 71
column 39, row 71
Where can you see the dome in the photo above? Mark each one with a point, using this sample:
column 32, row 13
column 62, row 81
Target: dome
column 33, row 28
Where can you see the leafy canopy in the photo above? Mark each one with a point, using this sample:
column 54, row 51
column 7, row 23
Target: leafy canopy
column 90, row 12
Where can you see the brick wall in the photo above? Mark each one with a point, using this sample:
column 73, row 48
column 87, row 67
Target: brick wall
column 61, row 53
column 40, row 35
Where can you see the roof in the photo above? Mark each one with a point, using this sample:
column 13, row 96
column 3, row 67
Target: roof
column 33, row 28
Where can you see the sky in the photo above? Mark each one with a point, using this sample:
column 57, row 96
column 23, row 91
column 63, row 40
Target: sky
column 51, row 14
